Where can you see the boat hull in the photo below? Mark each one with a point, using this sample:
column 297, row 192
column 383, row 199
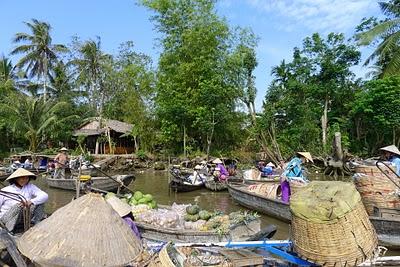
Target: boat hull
column 272, row 207
column 240, row 232
column 179, row 186
column 103, row 183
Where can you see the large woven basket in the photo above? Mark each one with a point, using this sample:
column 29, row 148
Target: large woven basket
column 375, row 171
column 296, row 186
column 346, row 240
column 376, row 191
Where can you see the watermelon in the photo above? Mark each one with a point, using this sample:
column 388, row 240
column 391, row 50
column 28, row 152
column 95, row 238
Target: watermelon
column 133, row 202
column 138, row 195
column 148, row 197
column 204, row 215
column 142, row 201
column 192, row 210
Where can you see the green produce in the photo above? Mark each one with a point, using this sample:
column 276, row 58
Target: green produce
column 142, row 201
column 148, row 197
column 133, row 202
column 153, row 204
column 204, row 215
column 187, row 217
column 109, row 194
column 193, row 209
column 138, row 195
column 195, row 217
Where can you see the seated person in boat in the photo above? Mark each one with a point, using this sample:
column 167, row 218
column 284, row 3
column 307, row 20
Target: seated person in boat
column 61, row 161
column 42, row 163
column 124, row 211
column 220, row 171
column 392, row 154
column 294, row 172
column 11, row 213
column 15, row 163
column 268, row 169
column 28, row 164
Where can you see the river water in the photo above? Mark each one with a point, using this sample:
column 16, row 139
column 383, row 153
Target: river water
column 156, row 183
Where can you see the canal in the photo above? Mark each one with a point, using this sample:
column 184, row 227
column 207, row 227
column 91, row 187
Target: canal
column 156, row 183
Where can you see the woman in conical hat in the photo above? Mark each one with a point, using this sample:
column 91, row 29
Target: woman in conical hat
column 294, row 171
column 392, row 154
column 11, row 210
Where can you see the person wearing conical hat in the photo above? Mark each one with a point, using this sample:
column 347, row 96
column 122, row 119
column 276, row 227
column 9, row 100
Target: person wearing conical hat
column 34, row 198
column 61, row 161
column 391, row 153
column 294, row 171
column 220, row 171
column 125, row 212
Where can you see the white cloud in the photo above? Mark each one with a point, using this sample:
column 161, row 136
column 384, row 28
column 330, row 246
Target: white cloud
column 318, row 15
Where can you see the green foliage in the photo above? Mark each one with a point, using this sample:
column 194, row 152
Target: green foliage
column 376, row 114
column 195, row 93
column 385, row 33
column 319, row 74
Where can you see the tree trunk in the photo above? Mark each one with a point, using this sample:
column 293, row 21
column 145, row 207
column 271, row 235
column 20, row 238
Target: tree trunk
column 324, row 124
column 210, row 136
column 45, row 80
column 337, row 146
column 184, row 141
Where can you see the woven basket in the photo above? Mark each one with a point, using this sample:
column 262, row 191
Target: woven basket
column 375, row 171
column 347, row 241
column 296, row 187
column 376, row 191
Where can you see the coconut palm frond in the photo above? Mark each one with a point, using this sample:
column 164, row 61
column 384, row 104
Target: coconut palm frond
column 379, row 31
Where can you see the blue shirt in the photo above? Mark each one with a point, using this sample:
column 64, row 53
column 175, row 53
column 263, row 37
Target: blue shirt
column 294, row 169
column 395, row 160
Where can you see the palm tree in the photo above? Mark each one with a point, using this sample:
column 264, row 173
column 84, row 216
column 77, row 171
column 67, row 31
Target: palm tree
column 89, row 67
column 32, row 116
column 7, row 71
column 39, row 52
column 387, row 33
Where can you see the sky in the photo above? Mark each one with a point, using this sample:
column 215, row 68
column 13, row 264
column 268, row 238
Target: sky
column 280, row 25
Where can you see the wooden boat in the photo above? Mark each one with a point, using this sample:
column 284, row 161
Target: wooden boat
column 387, row 225
column 102, row 183
column 213, row 185
column 237, row 232
column 273, row 207
column 183, row 182
column 385, row 221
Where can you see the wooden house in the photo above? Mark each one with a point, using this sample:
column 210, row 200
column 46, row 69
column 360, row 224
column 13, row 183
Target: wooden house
column 103, row 134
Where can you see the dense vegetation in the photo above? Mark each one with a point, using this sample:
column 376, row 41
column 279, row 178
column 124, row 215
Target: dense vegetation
column 199, row 99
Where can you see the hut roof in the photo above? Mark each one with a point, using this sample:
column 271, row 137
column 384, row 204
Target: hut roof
column 86, row 232
column 93, row 127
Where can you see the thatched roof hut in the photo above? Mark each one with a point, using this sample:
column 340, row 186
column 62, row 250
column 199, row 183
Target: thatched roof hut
column 96, row 127
column 86, row 232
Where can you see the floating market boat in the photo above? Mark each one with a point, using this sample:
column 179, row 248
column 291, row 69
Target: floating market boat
column 270, row 206
column 103, row 183
column 238, row 232
column 213, row 185
column 186, row 182
column 386, row 221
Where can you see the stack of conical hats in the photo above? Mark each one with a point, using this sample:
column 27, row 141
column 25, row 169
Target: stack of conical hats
column 86, row 232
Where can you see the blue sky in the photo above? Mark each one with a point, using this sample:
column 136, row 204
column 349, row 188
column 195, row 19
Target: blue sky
column 280, row 24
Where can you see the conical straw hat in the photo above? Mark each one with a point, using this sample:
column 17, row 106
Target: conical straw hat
column 392, row 149
column 64, row 149
column 21, row 172
column 270, row 164
column 217, row 161
column 307, row 155
column 120, row 207
column 86, row 232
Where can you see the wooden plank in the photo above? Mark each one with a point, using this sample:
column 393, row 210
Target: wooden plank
column 242, row 257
